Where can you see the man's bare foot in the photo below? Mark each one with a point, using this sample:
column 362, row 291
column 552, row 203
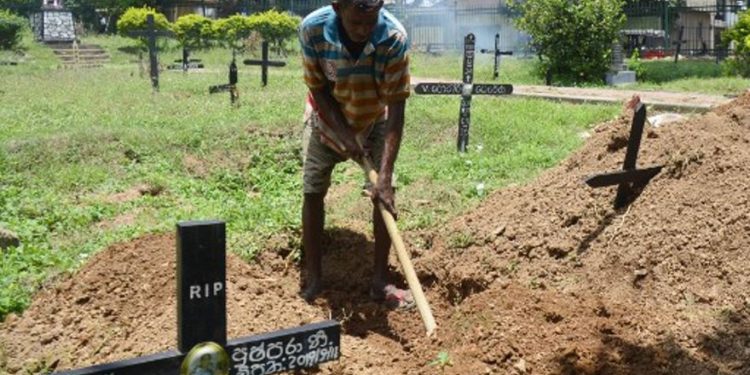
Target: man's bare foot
column 391, row 296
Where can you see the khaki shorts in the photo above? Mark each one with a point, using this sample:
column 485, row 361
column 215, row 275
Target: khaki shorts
column 319, row 159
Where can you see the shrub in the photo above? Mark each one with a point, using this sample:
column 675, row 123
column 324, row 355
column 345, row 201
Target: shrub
column 739, row 34
column 134, row 19
column 193, row 31
column 275, row 27
column 231, row 32
column 574, row 37
column 11, row 29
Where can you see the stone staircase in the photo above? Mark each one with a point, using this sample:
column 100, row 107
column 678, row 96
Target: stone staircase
column 74, row 55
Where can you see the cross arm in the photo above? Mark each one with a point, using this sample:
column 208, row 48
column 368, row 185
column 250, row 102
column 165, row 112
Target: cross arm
column 261, row 62
column 157, row 364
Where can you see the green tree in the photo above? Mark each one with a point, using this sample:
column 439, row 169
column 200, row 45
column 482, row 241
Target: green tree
column 573, row 37
column 11, row 29
column 739, row 34
column 193, row 31
column 134, row 19
column 275, row 27
column 231, row 32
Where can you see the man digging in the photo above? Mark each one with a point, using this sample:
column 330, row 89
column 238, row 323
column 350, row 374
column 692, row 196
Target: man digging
column 356, row 66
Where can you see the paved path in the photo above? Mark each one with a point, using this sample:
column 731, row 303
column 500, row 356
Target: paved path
column 658, row 100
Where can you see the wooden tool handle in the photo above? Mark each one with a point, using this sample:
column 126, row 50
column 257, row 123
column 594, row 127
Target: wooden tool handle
column 403, row 258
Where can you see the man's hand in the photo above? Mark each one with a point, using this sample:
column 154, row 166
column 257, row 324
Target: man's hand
column 383, row 193
column 353, row 149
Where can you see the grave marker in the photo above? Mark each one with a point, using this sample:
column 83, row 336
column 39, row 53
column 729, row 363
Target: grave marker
column 151, row 33
column 466, row 90
column 231, row 86
column 678, row 44
column 186, row 62
column 201, row 319
column 630, row 179
column 264, row 63
column 497, row 52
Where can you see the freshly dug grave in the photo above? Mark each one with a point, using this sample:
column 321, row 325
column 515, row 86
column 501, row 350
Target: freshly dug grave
column 545, row 278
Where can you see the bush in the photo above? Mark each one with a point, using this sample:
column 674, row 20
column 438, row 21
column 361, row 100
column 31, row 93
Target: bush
column 193, row 31
column 134, row 19
column 231, row 32
column 275, row 27
column 574, row 37
column 739, row 34
column 11, row 29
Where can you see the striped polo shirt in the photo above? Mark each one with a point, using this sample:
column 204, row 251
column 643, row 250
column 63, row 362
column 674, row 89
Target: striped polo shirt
column 363, row 87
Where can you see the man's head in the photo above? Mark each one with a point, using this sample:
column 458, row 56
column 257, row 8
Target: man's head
column 359, row 17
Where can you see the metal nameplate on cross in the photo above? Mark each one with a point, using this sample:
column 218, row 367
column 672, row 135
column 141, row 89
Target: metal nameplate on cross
column 497, row 53
column 151, row 33
column 630, row 179
column 466, row 90
column 264, row 63
column 201, row 323
column 231, row 87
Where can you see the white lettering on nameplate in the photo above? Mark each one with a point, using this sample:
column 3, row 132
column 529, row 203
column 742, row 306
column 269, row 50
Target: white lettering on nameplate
column 287, row 354
column 206, row 290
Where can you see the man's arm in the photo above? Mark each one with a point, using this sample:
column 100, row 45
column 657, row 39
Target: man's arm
column 330, row 111
column 394, row 131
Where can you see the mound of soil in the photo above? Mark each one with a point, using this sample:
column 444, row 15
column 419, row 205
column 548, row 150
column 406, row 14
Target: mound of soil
column 546, row 278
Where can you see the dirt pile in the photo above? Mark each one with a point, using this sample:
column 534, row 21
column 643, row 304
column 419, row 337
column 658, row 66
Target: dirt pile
column 545, row 278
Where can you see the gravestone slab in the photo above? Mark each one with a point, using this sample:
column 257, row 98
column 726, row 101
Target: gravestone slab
column 619, row 73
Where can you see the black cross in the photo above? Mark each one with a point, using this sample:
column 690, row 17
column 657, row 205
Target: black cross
column 264, row 63
column 466, row 90
column 151, row 33
column 201, row 317
column 678, row 44
column 186, row 62
column 497, row 52
column 234, row 94
column 630, row 180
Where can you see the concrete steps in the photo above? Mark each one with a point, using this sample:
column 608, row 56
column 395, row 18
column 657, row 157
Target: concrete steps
column 79, row 56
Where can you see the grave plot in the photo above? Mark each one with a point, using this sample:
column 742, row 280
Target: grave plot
column 552, row 279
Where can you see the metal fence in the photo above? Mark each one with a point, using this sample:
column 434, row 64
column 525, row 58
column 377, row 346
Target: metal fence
column 659, row 26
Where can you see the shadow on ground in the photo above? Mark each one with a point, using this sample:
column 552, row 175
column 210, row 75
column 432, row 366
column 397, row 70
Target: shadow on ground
column 725, row 351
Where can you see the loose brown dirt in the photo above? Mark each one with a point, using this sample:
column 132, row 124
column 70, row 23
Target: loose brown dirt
column 545, row 278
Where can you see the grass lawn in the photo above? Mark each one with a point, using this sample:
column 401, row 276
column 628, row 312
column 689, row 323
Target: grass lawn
column 92, row 157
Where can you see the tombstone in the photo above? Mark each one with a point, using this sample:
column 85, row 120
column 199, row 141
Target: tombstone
column 678, row 44
column 231, row 87
column 619, row 73
column 186, row 62
column 151, row 33
column 497, row 53
column 630, row 180
column 201, row 322
column 466, row 89
column 53, row 23
column 264, row 63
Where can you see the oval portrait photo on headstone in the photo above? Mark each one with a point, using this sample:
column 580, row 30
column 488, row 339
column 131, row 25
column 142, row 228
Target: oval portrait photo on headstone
column 207, row 358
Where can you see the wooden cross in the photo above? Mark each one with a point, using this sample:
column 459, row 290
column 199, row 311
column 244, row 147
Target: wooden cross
column 201, row 322
column 264, row 63
column 186, row 62
column 231, row 86
column 497, row 52
column 630, row 179
column 151, row 33
column 466, row 90
column 678, row 44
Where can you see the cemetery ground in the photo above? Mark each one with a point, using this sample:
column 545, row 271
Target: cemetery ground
column 527, row 270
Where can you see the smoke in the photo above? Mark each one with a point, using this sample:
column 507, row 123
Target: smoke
column 444, row 24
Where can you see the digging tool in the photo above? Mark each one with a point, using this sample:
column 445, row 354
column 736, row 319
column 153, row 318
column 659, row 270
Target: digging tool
column 403, row 256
